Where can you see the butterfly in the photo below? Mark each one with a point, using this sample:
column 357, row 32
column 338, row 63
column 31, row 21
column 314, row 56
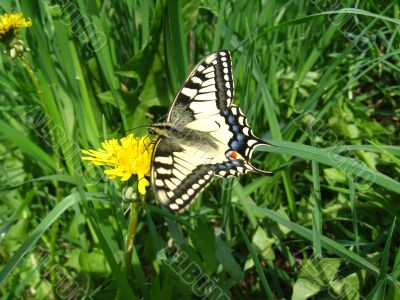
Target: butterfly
column 204, row 136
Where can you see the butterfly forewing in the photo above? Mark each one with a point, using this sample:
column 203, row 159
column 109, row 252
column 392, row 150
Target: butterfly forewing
column 206, row 91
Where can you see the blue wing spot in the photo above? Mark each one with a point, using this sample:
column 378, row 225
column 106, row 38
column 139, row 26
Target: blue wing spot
column 218, row 168
column 226, row 112
column 231, row 119
column 235, row 162
column 240, row 137
column 235, row 128
column 235, row 145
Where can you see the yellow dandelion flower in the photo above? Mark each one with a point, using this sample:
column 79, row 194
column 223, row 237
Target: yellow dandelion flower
column 10, row 23
column 129, row 156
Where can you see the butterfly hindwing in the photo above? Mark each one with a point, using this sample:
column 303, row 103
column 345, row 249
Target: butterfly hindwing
column 177, row 175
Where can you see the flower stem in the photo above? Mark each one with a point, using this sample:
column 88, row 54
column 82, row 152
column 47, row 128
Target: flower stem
column 39, row 92
column 130, row 238
column 33, row 77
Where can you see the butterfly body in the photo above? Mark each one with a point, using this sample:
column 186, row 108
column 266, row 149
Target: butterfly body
column 184, row 135
column 205, row 135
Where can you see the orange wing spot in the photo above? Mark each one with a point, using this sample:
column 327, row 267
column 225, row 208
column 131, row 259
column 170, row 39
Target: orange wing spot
column 233, row 154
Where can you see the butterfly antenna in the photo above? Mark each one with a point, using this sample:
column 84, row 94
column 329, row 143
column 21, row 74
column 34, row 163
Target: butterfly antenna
column 136, row 128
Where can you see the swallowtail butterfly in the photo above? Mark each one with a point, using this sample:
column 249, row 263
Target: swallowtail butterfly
column 204, row 135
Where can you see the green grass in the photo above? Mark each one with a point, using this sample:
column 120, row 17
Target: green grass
column 319, row 80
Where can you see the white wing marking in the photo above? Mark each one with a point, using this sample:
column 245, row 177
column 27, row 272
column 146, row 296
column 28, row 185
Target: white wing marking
column 164, row 171
column 196, row 80
column 208, row 89
column 211, row 75
column 210, row 58
column 169, row 184
column 164, row 159
column 251, row 143
column 208, row 70
column 206, row 97
column 189, row 92
column 209, row 82
column 174, row 206
column 203, row 106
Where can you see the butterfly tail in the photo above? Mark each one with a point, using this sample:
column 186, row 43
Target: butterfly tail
column 252, row 168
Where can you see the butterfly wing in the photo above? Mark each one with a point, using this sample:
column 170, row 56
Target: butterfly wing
column 179, row 173
column 207, row 91
column 183, row 165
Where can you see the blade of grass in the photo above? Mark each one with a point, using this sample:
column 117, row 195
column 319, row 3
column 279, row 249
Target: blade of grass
column 26, row 145
column 317, row 213
column 378, row 292
column 124, row 289
column 386, row 252
column 276, row 134
column 225, row 257
column 328, row 244
column 177, row 49
column 352, row 196
column 140, row 276
column 29, row 243
column 257, row 264
column 332, row 159
column 246, row 204
column 393, row 150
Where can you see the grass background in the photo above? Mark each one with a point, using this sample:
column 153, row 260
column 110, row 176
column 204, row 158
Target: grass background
column 318, row 79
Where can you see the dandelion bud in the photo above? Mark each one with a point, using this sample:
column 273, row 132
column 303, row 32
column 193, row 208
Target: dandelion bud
column 13, row 53
column 129, row 194
column 19, row 48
